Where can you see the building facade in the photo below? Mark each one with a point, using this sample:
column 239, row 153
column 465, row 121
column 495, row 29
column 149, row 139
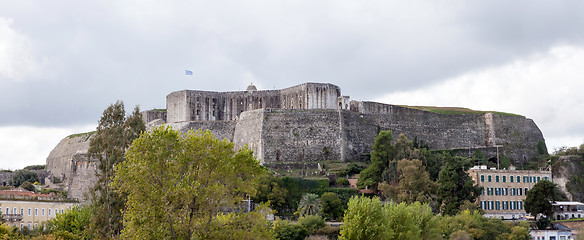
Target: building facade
column 505, row 190
column 568, row 210
column 21, row 208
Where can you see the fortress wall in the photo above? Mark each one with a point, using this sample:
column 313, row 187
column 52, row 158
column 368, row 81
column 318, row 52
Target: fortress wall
column 220, row 129
column 248, row 130
column 150, row 115
column 176, row 107
column 82, row 177
column 301, row 136
column 439, row 131
column 519, row 135
column 360, row 132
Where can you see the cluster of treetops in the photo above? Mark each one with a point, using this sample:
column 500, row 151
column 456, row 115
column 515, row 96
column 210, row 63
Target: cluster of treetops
column 164, row 184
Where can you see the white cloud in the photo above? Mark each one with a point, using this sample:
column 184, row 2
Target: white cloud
column 546, row 87
column 16, row 55
column 23, row 146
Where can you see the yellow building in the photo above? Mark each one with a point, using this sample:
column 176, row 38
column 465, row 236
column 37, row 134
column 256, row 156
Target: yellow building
column 505, row 190
column 24, row 208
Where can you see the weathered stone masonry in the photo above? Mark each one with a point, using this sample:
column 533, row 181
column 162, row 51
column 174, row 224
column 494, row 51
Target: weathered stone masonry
column 311, row 123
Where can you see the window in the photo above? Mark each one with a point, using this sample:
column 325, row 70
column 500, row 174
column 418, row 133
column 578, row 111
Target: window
column 43, row 212
column 497, row 205
column 14, row 211
column 36, row 211
column 56, row 211
column 526, row 191
column 49, row 212
column 497, row 191
column 519, row 191
column 22, row 211
column 7, row 211
column 510, row 178
column 483, row 191
column 537, row 179
column 546, row 178
column 525, row 179
column 483, row 205
column 489, row 178
column 482, row 178
column 519, row 205
column 504, row 178
column 490, row 205
column 518, row 179
column 62, row 210
column 512, row 191
column 512, row 207
column 505, row 191
column 497, row 178
column 29, row 212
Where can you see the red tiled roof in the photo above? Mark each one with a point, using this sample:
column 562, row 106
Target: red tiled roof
column 23, row 193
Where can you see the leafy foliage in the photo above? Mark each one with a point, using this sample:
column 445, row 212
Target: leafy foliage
column 472, row 225
column 539, row 199
column 114, row 134
column 414, row 182
column 309, row 205
column 365, row 218
column 177, row 184
column 35, row 167
column 312, row 222
column 72, row 224
column 455, row 185
column 369, row 219
column 24, row 175
column 285, row 230
column 332, row 206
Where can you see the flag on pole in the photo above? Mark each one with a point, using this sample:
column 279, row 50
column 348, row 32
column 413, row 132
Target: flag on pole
column 188, row 72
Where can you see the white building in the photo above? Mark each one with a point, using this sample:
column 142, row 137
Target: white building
column 568, row 210
column 24, row 208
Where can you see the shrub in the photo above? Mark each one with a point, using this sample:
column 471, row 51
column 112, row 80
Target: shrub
column 342, row 181
column 312, row 222
column 284, row 230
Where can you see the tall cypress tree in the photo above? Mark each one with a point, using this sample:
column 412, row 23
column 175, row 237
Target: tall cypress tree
column 115, row 133
column 455, row 185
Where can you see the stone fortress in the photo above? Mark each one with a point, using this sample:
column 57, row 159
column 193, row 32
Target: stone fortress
column 302, row 128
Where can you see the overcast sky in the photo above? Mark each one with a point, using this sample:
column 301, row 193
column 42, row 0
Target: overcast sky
column 63, row 62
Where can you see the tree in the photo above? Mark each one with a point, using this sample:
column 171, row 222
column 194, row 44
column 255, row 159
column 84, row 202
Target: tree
column 455, row 185
column 72, row 224
column 414, row 182
column 539, row 199
column 382, row 153
column 21, row 176
column 270, row 189
column 176, row 184
column 365, row 218
column 309, row 205
column 369, row 219
column 332, row 206
column 285, row 230
column 115, row 133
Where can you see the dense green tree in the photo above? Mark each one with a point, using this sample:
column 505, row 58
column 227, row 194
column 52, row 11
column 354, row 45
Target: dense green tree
column 455, row 185
column 176, row 184
column 332, row 206
column 115, row 133
column 28, row 186
column 72, row 224
column 369, row 219
column 21, row 176
column 414, row 182
column 365, row 218
column 382, row 153
column 309, row 205
column 270, row 189
column 539, row 198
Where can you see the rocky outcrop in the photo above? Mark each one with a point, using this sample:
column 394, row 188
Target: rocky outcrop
column 69, row 168
column 564, row 170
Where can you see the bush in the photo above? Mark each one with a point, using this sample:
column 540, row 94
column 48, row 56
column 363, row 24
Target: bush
column 35, row 167
column 284, row 230
column 28, row 186
column 312, row 222
column 342, row 181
